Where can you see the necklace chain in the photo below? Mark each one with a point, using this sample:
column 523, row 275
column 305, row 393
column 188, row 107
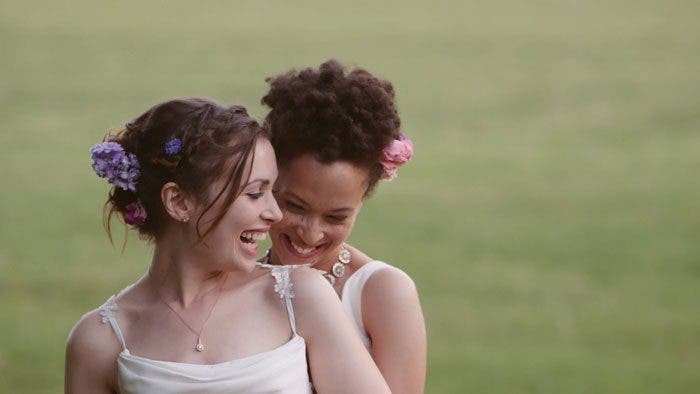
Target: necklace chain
column 199, row 346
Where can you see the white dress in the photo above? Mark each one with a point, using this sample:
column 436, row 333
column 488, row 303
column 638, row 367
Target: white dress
column 352, row 295
column 281, row 370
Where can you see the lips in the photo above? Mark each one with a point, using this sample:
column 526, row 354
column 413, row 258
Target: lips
column 300, row 251
column 253, row 236
column 249, row 241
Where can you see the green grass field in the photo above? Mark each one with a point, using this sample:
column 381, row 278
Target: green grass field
column 550, row 218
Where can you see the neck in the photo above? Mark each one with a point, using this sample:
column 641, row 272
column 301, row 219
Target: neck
column 177, row 276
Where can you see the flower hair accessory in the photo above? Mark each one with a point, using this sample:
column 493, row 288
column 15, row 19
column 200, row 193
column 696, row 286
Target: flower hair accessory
column 394, row 155
column 173, row 146
column 135, row 214
column 109, row 160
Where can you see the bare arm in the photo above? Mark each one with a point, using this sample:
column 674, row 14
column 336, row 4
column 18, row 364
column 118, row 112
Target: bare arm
column 338, row 361
column 91, row 356
column 393, row 319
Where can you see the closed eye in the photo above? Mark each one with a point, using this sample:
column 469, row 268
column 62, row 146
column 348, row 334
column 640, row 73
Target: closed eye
column 256, row 195
column 293, row 206
column 337, row 219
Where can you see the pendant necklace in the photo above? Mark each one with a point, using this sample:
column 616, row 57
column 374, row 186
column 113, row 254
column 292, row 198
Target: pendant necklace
column 199, row 346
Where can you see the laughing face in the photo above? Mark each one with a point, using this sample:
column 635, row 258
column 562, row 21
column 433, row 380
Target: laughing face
column 320, row 203
column 233, row 244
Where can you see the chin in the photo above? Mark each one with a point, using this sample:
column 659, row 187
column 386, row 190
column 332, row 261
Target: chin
column 239, row 263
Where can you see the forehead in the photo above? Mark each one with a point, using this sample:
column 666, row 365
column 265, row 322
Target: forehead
column 264, row 162
column 330, row 185
column 264, row 167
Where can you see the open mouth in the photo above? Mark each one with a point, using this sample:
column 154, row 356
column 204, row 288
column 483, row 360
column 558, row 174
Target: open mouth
column 300, row 251
column 252, row 237
column 250, row 240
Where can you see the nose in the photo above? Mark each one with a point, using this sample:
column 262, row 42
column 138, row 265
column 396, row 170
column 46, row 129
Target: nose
column 272, row 213
column 310, row 232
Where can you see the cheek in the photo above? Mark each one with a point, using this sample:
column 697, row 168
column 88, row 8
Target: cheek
column 281, row 226
column 289, row 219
column 234, row 217
column 339, row 233
column 237, row 219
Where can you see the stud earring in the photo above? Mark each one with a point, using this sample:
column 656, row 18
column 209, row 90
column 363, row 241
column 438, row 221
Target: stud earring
column 185, row 219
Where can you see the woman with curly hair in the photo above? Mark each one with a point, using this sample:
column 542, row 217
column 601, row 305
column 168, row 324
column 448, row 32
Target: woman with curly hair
column 194, row 178
column 336, row 134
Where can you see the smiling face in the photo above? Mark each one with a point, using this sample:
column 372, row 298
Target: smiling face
column 320, row 203
column 232, row 244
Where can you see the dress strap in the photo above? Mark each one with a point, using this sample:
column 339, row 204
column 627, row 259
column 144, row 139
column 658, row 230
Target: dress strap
column 108, row 311
column 283, row 287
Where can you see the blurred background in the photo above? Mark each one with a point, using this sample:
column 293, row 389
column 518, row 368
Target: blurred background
column 550, row 217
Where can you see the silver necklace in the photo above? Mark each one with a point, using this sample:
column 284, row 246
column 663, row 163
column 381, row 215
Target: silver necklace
column 336, row 271
column 199, row 346
column 338, row 268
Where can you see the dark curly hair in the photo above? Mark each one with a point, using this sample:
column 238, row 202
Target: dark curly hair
column 332, row 114
column 213, row 137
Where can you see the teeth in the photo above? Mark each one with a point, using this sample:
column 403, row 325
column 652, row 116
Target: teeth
column 254, row 235
column 302, row 250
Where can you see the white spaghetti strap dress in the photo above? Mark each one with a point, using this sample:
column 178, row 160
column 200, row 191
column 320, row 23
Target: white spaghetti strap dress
column 281, row 370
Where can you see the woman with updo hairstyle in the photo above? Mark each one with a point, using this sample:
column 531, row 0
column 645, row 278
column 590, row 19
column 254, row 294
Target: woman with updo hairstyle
column 194, row 179
column 336, row 133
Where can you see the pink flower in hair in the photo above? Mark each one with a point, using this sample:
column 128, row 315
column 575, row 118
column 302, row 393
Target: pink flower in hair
column 396, row 154
column 135, row 214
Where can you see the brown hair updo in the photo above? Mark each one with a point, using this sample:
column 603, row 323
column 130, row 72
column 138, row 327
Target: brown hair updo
column 212, row 136
column 332, row 114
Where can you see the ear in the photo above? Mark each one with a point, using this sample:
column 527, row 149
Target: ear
column 177, row 204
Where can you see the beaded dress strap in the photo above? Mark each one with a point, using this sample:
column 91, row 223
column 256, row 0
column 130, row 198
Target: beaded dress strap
column 283, row 287
column 108, row 311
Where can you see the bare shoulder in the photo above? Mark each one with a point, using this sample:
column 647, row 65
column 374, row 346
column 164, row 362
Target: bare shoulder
column 393, row 319
column 91, row 336
column 310, row 286
column 91, row 352
column 389, row 283
column 305, row 285
column 316, row 305
column 301, row 277
column 390, row 304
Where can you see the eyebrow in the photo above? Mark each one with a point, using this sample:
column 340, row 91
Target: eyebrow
column 336, row 210
column 261, row 180
column 342, row 210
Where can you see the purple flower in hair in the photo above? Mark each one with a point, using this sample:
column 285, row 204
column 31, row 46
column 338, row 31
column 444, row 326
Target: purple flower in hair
column 173, row 146
column 135, row 214
column 109, row 160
